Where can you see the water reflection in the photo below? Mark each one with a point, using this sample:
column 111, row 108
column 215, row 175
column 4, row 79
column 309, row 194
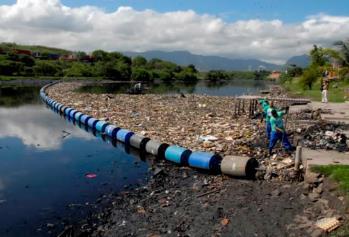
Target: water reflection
column 25, row 95
column 216, row 88
column 35, row 127
column 42, row 173
column 143, row 156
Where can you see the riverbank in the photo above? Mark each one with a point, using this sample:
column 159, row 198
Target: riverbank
column 336, row 91
column 186, row 120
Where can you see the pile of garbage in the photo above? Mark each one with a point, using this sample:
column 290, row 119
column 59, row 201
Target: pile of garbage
column 327, row 136
column 197, row 122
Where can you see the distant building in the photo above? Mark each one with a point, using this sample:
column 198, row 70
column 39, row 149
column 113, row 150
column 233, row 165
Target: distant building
column 68, row 57
column 36, row 54
column 87, row 59
column 274, row 75
column 23, row 52
column 53, row 56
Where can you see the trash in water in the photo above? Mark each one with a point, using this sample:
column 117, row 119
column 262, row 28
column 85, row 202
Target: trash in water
column 90, row 175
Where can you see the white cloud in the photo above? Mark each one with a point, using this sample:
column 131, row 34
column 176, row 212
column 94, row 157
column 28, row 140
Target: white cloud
column 49, row 22
column 33, row 128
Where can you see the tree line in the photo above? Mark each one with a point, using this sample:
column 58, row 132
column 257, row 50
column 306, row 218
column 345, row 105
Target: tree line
column 112, row 65
column 102, row 64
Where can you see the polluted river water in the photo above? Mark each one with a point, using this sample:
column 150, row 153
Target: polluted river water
column 51, row 171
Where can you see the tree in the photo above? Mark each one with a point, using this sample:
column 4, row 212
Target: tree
column 47, row 68
column 344, row 51
column 28, row 61
column 216, row 75
column 10, row 68
column 192, row 68
column 139, row 61
column 140, row 74
column 310, row 75
column 100, row 55
column 162, row 75
column 188, row 74
column 317, row 56
column 294, row 71
column 80, row 55
column 124, row 69
column 79, row 70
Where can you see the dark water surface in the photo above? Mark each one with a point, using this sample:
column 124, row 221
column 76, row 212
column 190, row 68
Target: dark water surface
column 43, row 168
column 220, row 88
column 44, row 158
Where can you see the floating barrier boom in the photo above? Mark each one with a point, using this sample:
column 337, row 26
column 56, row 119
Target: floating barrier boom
column 234, row 165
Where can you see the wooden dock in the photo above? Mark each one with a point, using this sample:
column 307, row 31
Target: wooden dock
column 249, row 105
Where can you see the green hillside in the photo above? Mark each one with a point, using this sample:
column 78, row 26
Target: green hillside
column 34, row 48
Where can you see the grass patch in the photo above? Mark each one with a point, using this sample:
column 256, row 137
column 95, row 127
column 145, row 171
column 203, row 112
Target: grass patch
column 339, row 173
column 335, row 93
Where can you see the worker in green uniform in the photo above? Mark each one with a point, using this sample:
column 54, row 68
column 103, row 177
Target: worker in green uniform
column 267, row 107
column 278, row 131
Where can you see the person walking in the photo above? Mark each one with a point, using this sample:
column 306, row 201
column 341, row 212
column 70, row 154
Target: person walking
column 324, row 87
column 278, row 132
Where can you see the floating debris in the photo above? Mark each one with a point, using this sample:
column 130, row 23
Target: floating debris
column 91, row 175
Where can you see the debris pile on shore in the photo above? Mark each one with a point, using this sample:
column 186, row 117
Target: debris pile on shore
column 197, row 122
column 327, row 136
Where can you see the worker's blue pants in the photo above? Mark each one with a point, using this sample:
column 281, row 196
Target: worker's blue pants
column 268, row 129
column 276, row 136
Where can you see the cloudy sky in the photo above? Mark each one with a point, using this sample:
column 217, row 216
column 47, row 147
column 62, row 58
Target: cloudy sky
column 270, row 30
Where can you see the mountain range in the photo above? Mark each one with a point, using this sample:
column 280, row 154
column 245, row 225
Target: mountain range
column 206, row 63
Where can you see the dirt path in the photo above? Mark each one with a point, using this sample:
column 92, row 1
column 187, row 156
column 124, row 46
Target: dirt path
column 184, row 202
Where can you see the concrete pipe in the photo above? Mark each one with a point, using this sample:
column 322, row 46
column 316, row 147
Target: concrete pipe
column 239, row 166
column 139, row 142
column 156, row 148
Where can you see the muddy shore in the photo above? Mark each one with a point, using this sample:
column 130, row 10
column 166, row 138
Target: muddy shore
column 180, row 201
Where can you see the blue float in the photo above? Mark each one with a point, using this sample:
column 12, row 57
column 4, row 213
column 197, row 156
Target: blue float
column 84, row 118
column 204, row 160
column 111, row 131
column 92, row 123
column 124, row 135
column 101, row 125
column 67, row 111
column 177, row 154
column 72, row 113
column 77, row 116
column 63, row 109
column 59, row 106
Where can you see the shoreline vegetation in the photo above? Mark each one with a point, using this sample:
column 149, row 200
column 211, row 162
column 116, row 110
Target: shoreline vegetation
column 327, row 64
column 26, row 62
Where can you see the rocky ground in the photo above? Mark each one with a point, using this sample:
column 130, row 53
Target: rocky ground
column 184, row 202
